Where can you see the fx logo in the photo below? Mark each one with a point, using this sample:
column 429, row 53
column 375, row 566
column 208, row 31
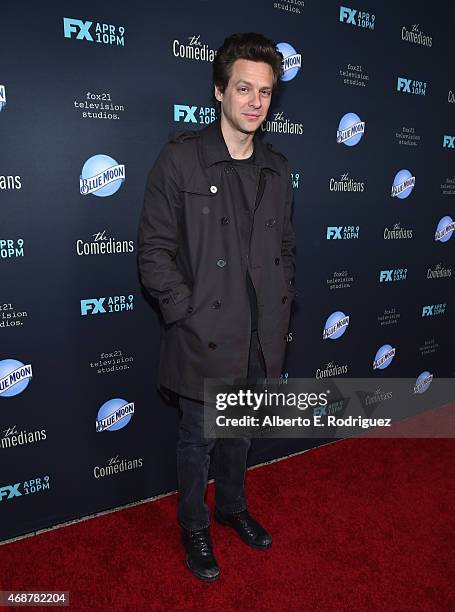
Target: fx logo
column 10, row 491
column 404, row 85
column 385, row 276
column 71, row 26
column 347, row 15
column 448, row 142
column 433, row 310
column 335, row 232
column 92, row 306
column 187, row 112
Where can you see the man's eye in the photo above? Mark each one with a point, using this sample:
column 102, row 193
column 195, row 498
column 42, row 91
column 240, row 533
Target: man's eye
column 265, row 92
column 242, row 89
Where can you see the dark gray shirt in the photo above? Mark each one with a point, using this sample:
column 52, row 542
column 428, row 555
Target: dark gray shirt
column 248, row 174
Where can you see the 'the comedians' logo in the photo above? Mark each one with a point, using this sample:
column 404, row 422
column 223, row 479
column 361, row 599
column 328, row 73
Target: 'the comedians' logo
column 14, row 377
column 114, row 414
column 101, row 176
column 350, row 129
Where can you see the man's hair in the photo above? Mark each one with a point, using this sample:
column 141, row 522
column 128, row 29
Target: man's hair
column 249, row 46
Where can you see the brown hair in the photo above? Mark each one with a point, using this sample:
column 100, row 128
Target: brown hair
column 250, row 46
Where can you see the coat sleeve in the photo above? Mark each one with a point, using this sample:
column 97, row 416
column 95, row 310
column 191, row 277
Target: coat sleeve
column 158, row 239
column 288, row 246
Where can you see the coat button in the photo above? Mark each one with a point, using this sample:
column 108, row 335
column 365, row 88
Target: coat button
column 189, row 310
column 228, row 169
column 284, row 299
column 221, row 263
column 216, row 304
column 224, row 220
column 213, row 188
column 165, row 300
column 277, row 261
column 270, row 222
column 212, row 345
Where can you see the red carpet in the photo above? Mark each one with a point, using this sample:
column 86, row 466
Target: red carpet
column 359, row 525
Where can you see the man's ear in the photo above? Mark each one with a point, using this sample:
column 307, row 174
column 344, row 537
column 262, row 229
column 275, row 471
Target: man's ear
column 218, row 93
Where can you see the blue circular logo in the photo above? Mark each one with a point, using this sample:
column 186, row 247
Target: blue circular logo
column 445, row 229
column 403, row 184
column 423, row 381
column 383, row 357
column 350, row 129
column 114, row 414
column 101, row 176
column 292, row 61
column 14, row 377
column 335, row 326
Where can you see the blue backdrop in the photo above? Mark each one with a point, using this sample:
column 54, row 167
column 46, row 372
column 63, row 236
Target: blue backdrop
column 366, row 119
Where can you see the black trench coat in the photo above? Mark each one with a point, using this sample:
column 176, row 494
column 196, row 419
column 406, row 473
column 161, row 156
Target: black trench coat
column 194, row 247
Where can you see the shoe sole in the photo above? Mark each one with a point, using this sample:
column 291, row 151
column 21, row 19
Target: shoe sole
column 203, row 578
column 256, row 546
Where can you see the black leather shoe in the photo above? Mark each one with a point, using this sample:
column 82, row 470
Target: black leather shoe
column 199, row 554
column 251, row 532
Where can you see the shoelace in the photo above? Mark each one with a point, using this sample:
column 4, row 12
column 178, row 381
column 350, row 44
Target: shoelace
column 200, row 541
column 246, row 522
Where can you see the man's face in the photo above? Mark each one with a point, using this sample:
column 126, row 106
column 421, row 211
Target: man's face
column 246, row 99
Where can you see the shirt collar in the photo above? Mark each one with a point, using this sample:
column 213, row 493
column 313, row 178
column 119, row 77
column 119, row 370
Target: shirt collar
column 215, row 150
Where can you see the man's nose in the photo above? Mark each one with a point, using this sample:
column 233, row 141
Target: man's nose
column 255, row 99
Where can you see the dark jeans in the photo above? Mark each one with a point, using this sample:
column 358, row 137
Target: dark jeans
column 193, row 459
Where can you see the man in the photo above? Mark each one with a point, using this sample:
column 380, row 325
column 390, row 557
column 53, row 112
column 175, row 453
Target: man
column 217, row 250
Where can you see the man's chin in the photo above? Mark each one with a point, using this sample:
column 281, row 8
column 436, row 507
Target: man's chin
column 251, row 127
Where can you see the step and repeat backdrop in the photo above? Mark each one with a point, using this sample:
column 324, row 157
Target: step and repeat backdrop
column 89, row 93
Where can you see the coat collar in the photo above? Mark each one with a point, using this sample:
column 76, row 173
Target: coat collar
column 214, row 148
